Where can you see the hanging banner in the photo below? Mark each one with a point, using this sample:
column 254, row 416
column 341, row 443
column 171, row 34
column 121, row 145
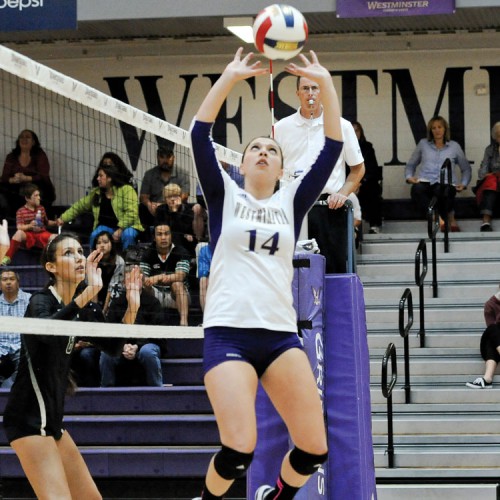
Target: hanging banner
column 381, row 8
column 36, row 15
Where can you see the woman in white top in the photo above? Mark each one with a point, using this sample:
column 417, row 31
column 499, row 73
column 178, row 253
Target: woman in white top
column 250, row 324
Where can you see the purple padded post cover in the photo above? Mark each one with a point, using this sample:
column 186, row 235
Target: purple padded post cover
column 351, row 470
column 272, row 440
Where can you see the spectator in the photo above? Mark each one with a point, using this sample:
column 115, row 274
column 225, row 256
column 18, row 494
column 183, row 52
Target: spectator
column 112, row 266
column 155, row 179
column 166, row 267
column 110, row 159
column 32, row 222
column 370, row 190
column 490, row 343
column 179, row 216
column 429, row 156
column 13, row 302
column 301, row 138
column 488, row 179
column 85, row 362
column 147, row 353
column 200, row 207
column 114, row 206
column 27, row 162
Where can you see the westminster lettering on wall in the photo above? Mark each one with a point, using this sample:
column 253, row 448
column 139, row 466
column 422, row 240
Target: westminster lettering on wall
column 450, row 94
column 383, row 8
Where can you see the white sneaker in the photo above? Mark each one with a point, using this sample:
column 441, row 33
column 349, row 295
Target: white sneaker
column 262, row 491
column 479, row 383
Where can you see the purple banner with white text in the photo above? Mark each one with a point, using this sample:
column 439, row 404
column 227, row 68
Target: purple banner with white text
column 381, row 8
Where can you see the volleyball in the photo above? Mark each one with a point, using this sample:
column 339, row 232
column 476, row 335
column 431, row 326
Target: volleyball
column 280, row 31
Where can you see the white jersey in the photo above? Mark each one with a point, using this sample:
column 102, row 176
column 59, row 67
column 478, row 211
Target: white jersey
column 253, row 241
column 301, row 139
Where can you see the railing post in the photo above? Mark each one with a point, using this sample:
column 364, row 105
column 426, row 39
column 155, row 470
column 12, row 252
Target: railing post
column 387, row 393
column 419, row 281
column 351, row 247
column 432, row 229
column 445, row 186
column 404, row 331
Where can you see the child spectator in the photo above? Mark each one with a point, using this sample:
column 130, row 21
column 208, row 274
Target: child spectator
column 32, row 222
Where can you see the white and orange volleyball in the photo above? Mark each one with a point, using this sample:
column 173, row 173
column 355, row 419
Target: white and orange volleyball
column 280, row 31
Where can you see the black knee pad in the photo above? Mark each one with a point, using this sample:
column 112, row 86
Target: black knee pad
column 306, row 463
column 231, row 464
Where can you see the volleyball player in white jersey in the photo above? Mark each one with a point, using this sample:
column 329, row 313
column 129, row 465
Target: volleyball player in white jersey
column 249, row 320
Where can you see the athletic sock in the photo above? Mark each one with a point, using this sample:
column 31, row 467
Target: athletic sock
column 14, row 247
column 206, row 495
column 282, row 491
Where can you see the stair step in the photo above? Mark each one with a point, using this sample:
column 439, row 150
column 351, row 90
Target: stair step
column 437, row 491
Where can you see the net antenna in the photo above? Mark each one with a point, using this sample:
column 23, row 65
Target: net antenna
column 271, row 95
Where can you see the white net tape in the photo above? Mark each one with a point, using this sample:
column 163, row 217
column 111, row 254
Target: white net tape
column 84, row 329
column 61, row 84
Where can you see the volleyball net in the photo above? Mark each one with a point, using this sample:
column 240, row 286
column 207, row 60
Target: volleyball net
column 76, row 124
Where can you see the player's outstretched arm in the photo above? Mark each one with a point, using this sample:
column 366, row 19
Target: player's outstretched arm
column 313, row 70
column 238, row 69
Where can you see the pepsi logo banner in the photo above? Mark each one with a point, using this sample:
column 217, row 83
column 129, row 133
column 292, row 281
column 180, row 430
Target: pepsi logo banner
column 34, row 15
column 381, row 8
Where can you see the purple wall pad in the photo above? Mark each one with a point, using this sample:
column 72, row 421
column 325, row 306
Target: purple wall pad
column 272, row 441
column 341, row 368
column 351, row 469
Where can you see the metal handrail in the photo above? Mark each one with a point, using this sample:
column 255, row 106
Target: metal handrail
column 421, row 257
column 404, row 330
column 445, row 186
column 351, row 245
column 387, row 393
column 432, row 229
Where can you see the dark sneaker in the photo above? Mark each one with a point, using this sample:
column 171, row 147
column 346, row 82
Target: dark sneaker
column 262, row 491
column 479, row 383
column 486, row 228
column 374, row 230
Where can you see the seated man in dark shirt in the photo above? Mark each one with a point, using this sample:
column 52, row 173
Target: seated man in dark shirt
column 155, row 179
column 179, row 216
column 166, row 267
column 144, row 354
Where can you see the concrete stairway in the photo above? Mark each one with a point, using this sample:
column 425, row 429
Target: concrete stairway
column 446, row 440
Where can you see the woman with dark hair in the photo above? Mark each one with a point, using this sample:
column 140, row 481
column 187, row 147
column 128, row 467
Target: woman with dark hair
column 114, row 205
column 249, row 322
column 27, row 162
column 110, row 159
column 112, row 266
column 33, row 417
column 429, row 157
column 370, row 190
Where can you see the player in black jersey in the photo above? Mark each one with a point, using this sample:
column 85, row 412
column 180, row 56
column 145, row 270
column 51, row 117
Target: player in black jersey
column 33, row 417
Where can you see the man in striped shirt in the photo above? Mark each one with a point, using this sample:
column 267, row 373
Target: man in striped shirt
column 13, row 302
column 166, row 268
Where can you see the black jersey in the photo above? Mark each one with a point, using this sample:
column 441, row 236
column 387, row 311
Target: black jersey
column 36, row 400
